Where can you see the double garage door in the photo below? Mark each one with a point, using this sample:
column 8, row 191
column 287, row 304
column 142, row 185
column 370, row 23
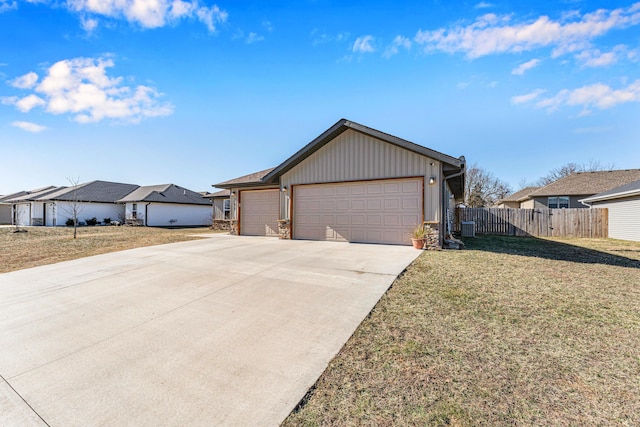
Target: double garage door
column 381, row 211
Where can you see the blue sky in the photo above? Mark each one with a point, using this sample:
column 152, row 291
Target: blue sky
column 195, row 92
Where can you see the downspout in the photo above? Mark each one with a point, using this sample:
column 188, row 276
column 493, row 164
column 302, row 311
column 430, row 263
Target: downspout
column 146, row 211
column 463, row 166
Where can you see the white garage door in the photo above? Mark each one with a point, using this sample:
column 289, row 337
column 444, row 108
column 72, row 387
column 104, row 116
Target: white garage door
column 259, row 212
column 367, row 211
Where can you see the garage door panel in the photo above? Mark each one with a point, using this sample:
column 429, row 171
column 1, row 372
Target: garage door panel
column 377, row 212
column 259, row 212
column 374, row 204
column 342, row 205
column 410, row 204
column 374, row 220
column 358, row 204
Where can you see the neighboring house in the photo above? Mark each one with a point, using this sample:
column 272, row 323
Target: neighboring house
column 6, row 211
column 623, row 204
column 221, row 209
column 95, row 199
column 516, row 199
column 166, row 205
column 352, row 183
column 568, row 191
column 25, row 209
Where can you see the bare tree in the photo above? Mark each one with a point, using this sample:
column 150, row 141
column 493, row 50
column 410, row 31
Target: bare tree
column 572, row 167
column 482, row 188
column 75, row 207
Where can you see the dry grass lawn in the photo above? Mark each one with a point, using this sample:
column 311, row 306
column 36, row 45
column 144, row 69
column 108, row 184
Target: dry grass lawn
column 511, row 331
column 47, row 245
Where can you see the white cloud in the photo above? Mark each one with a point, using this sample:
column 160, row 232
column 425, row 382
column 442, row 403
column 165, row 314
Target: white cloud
column 363, row 44
column 254, row 38
column 522, row 99
column 320, row 38
column 81, row 87
column 88, row 24
column 492, row 34
column 267, row 25
column 522, row 68
column 483, row 5
column 151, row 13
column 29, row 127
column 597, row 95
column 595, row 58
column 29, row 102
column 27, row 81
column 6, row 5
column 398, row 42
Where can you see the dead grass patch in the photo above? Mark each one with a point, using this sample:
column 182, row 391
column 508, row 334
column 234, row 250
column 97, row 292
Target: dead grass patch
column 47, row 245
column 511, row 331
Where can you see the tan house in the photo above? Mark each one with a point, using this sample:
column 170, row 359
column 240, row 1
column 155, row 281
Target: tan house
column 623, row 204
column 568, row 191
column 517, row 199
column 352, row 183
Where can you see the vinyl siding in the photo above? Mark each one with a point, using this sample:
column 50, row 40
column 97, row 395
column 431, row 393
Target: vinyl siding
column 174, row 214
column 353, row 156
column 64, row 210
column 624, row 218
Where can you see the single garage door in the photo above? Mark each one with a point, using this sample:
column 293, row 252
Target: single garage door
column 382, row 211
column 259, row 212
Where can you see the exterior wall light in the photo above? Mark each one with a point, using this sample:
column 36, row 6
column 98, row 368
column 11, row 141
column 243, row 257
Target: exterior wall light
column 284, row 188
column 432, row 180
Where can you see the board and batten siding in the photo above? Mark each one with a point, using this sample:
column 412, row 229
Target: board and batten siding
column 354, row 156
column 624, row 217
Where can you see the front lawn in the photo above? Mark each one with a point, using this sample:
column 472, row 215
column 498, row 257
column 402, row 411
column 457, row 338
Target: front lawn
column 510, row 331
column 46, row 245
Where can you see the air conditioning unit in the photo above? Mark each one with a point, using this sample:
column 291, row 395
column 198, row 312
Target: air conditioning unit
column 468, row 229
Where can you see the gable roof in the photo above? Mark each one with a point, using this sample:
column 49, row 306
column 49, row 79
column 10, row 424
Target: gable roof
column 627, row 190
column 588, row 183
column 519, row 196
column 93, row 191
column 165, row 193
column 34, row 195
column 20, row 195
column 341, row 126
column 256, row 178
column 452, row 167
column 222, row 194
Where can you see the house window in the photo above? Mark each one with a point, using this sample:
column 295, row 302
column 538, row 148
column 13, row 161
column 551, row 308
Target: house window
column 226, row 208
column 134, row 210
column 558, row 202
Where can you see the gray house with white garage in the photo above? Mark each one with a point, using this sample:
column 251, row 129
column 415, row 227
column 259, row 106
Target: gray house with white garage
column 623, row 204
column 94, row 199
column 166, row 205
column 352, row 183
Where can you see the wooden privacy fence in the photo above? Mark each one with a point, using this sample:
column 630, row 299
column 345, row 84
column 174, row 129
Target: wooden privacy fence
column 536, row 222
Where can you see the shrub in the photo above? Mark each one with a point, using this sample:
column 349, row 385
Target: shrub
column 91, row 221
column 69, row 222
column 106, row 221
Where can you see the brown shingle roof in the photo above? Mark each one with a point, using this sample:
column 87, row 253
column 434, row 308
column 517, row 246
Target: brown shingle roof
column 218, row 194
column 519, row 196
column 252, row 178
column 588, row 183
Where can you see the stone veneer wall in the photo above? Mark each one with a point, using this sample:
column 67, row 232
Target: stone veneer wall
column 221, row 224
column 432, row 242
column 284, row 229
column 233, row 227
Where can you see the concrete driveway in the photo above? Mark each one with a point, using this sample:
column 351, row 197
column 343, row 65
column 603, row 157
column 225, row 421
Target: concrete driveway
column 219, row 331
